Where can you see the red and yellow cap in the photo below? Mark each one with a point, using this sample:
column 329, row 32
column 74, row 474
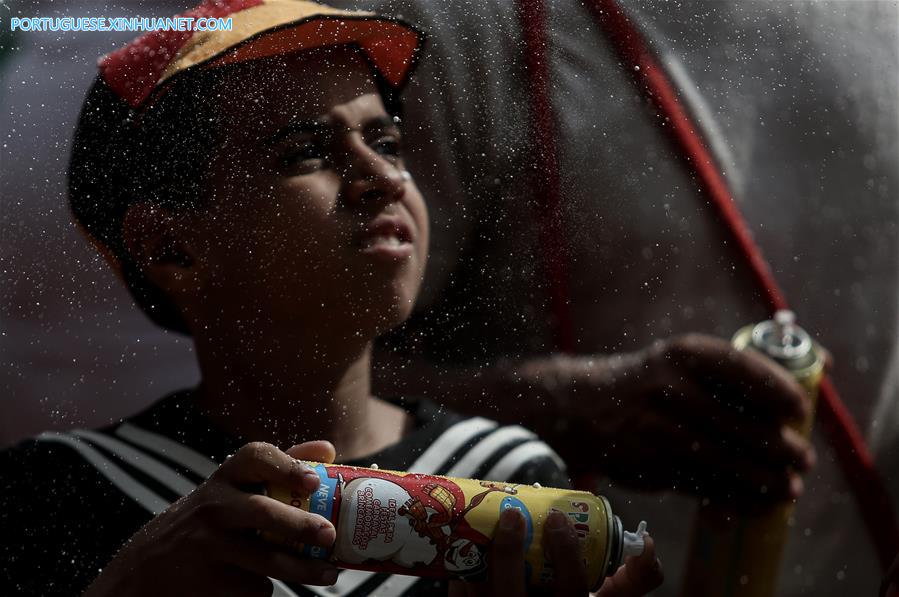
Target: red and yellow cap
column 139, row 73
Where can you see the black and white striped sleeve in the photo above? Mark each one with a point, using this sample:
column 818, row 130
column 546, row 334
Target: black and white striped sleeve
column 508, row 453
column 70, row 500
column 61, row 519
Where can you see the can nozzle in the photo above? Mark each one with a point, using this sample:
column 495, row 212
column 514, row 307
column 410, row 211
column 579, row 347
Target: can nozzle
column 782, row 340
column 785, row 327
column 633, row 542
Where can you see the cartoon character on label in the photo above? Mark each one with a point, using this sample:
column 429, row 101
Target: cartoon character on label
column 413, row 525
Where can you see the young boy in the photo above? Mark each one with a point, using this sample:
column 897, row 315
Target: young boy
column 248, row 187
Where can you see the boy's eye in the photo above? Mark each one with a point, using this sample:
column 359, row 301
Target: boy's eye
column 387, row 146
column 306, row 155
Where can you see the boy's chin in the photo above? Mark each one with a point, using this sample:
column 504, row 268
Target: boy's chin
column 394, row 302
column 395, row 316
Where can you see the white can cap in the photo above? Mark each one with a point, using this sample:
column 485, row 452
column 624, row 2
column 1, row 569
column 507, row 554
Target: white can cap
column 633, row 542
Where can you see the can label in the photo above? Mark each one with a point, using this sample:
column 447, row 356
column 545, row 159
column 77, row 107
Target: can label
column 426, row 525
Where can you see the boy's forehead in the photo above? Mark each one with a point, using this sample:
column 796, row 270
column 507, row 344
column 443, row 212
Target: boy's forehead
column 306, row 84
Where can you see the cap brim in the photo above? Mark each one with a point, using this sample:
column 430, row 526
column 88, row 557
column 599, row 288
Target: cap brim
column 391, row 45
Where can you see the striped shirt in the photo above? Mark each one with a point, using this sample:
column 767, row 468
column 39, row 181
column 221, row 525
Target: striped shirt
column 69, row 500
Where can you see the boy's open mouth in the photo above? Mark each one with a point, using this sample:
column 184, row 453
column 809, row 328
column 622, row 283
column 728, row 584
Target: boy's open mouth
column 388, row 236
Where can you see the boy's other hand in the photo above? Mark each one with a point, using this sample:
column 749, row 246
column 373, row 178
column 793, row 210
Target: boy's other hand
column 208, row 543
column 690, row 413
column 638, row 576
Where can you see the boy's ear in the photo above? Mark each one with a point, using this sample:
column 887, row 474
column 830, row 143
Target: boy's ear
column 153, row 237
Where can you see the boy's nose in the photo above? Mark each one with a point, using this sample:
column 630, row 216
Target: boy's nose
column 371, row 177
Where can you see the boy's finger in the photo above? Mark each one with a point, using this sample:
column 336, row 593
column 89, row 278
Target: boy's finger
column 507, row 555
column 639, row 575
column 767, row 389
column 261, row 558
column 316, row 451
column 262, row 463
column 564, row 551
column 240, row 582
column 253, row 512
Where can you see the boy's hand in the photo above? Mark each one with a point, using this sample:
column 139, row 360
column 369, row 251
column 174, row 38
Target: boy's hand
column 635, row 578
column 207, row 542
column 689, row 412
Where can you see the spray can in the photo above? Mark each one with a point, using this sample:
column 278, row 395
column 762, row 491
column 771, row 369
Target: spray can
column 441, row 527
column 739, row 556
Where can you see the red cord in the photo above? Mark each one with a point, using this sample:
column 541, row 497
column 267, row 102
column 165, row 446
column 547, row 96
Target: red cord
column 551, row 236
column 856, row 461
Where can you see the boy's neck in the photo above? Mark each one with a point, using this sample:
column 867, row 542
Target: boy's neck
column 289, row 401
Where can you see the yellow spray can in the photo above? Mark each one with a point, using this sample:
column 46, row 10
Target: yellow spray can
column 739, row 556
column 441, row 527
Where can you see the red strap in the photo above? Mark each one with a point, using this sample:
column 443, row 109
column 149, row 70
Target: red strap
column 552, row 237
column 856, row 461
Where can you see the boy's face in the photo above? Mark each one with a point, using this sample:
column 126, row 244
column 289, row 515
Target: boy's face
column 312, row 225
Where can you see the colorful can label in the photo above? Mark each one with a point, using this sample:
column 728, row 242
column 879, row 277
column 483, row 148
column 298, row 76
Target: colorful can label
column 441, row 527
